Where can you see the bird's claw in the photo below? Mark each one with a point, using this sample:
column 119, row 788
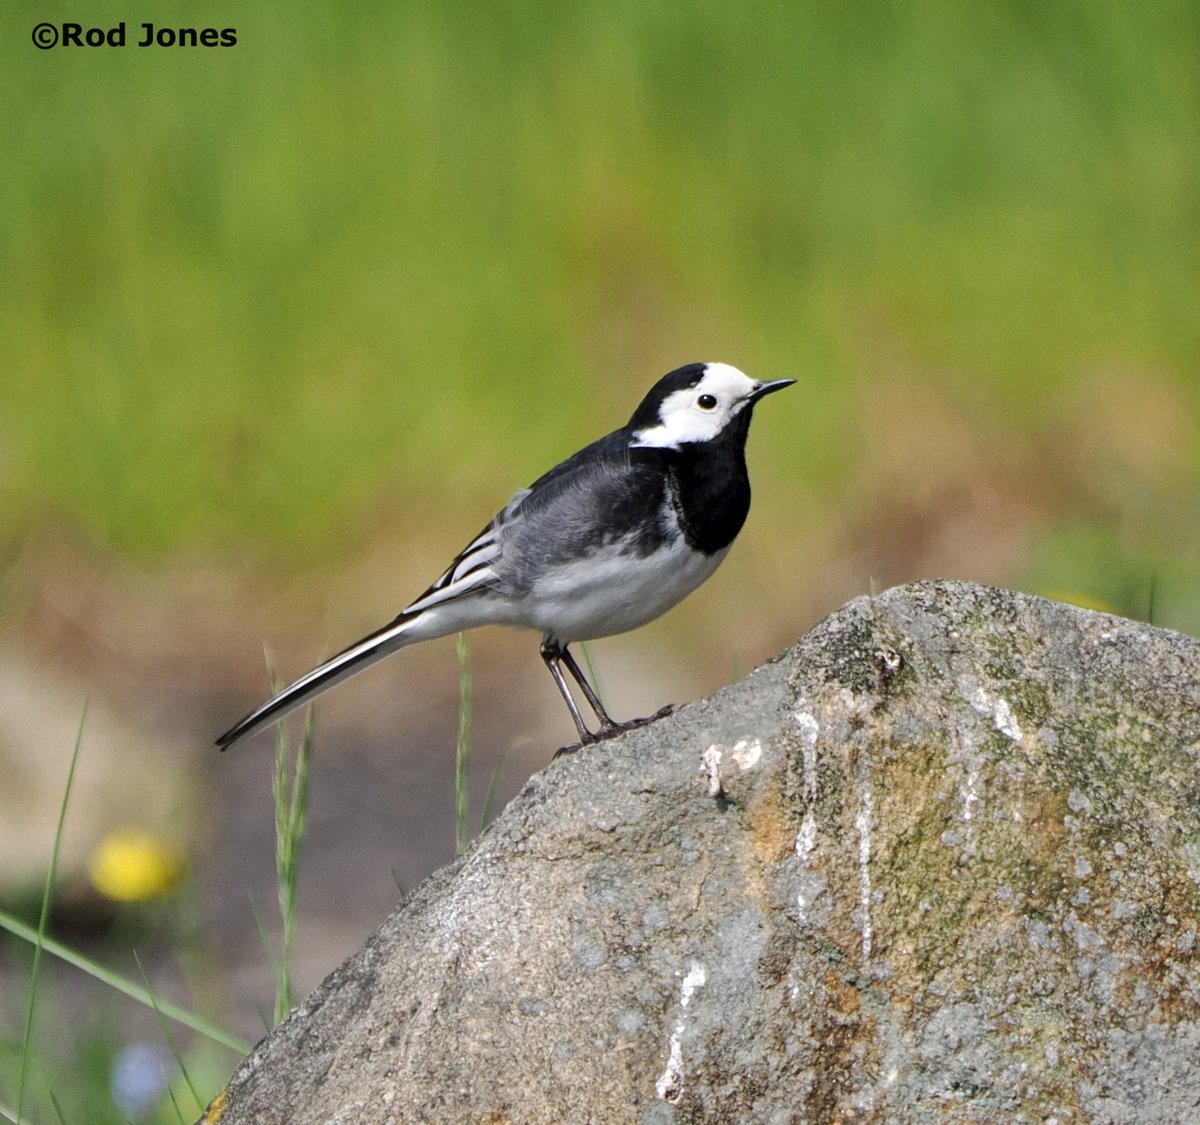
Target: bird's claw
column 661, row 713
column 611, row 730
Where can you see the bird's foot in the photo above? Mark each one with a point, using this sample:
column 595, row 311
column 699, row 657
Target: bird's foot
column 633, row 724
column 611, row 730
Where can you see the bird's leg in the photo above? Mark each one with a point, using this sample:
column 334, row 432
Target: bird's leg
column 552, row 653
column 607, row 726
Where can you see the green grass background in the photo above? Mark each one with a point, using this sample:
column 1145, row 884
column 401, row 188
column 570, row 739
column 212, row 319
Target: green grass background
column 254, row 296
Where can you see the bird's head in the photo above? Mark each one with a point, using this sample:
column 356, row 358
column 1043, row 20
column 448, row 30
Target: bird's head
column 697, row 403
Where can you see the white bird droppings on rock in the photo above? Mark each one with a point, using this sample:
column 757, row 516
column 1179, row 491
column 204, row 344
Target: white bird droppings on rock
column 863, row 820
column 711, row 759
column 995, row 707
column 809, row 729
column 747, row 753
column 669, row 1086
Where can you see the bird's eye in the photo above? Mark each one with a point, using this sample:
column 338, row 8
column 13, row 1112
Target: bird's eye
column 706, row 402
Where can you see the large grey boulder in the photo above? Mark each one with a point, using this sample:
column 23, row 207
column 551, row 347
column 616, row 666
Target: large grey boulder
column 938, row 862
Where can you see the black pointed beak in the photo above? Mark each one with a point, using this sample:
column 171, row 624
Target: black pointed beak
column 763, row 389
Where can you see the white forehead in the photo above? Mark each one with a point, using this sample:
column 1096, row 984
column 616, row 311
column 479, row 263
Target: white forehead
column 720, row 379
column 682, row 420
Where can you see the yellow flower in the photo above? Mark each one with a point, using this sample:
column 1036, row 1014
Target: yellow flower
column 131, row 865
column 216, row 1108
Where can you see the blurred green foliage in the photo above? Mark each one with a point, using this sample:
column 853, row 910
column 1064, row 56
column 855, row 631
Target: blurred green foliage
column 253, row 295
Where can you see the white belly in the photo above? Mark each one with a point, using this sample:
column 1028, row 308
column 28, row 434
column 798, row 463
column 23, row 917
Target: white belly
column 610, row 593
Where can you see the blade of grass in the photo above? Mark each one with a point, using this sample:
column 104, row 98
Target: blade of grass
column 290, row 793
column 591, row 669
column 8, row 1114
column 486, row 818
column 462, row 749
column 115, row 980
column 272, row 960
column 166, row 1030
column 43, row 919
column 175, row 1104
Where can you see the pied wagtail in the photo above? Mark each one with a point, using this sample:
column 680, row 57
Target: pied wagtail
column 606, row 541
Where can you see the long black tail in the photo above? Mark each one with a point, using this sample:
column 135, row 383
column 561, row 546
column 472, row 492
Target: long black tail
column 347, row 663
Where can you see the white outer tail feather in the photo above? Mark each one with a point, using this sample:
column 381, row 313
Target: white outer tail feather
column 446, row 607
column 357, row 658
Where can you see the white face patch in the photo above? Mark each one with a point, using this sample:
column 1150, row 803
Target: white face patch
column 701, row 412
